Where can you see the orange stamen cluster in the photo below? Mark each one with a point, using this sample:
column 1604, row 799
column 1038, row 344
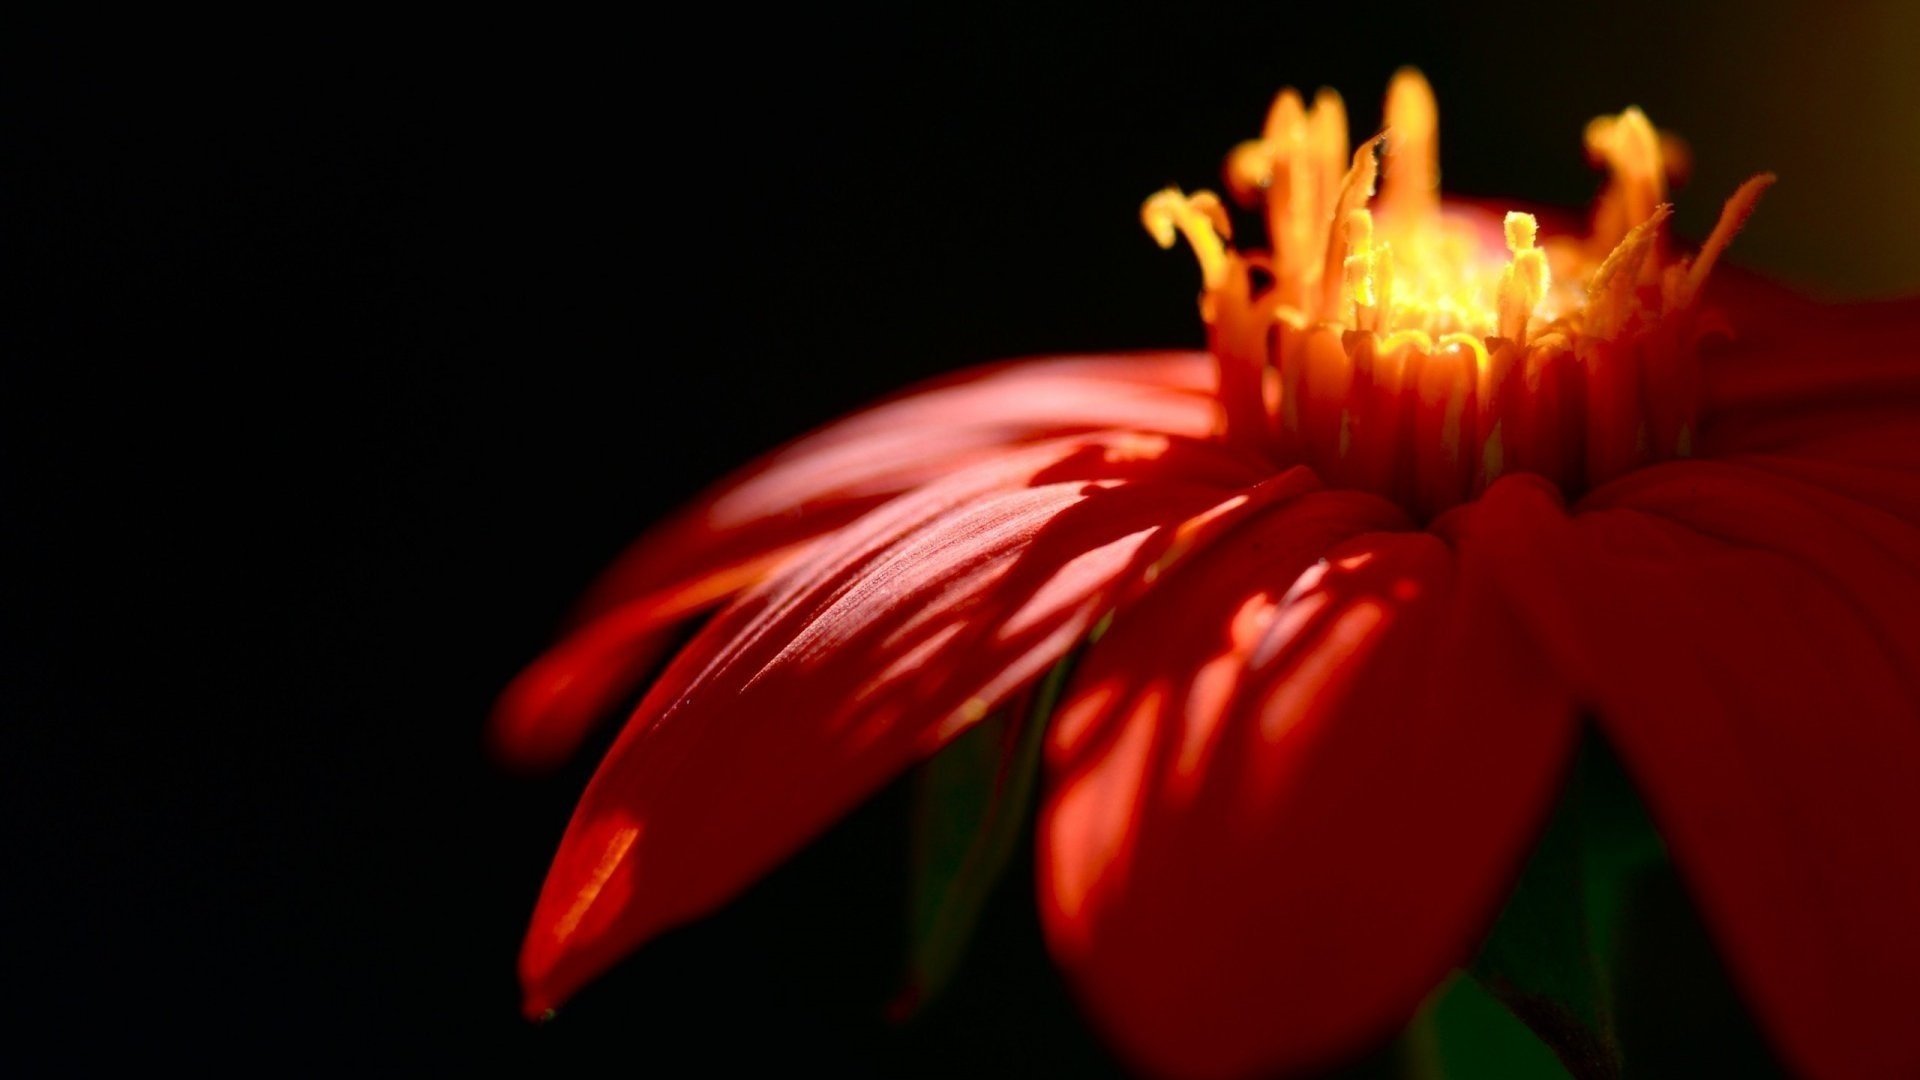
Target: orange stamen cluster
column 1422, row 351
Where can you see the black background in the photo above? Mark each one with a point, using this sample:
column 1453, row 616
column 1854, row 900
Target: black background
column 336, row 356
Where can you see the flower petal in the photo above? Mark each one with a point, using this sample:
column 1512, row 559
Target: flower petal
column 848, row 466
column 1290, row 789
column 774, row 508
column 818, row 685
column 1749, row 644
column 1885, row 435
column 1799, row 370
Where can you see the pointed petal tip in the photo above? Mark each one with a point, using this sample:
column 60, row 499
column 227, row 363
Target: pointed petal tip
column 540, row 999
column 549, row 976
column 554, row 703
column 537, row 1010
column 515, row 736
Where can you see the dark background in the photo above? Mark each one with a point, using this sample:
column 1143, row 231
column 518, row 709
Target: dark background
column 336, row 356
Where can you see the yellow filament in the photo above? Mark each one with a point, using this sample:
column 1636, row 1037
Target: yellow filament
column 1248, row 171
column 1302, row 149
column 1630, row 148
column 1610, row 294
column 1169, row 214
column 1622, row 264
column 1472, row 344
column 1327, row 137
column 1732, row 217
column 1410, row 190
column 1418, row 341
column 1415, row 274
column 1523, row 284
column 1299, row 169
column 1380, row 269
column 1285, row 117
column 1357, row 268
column 1355, row 189
column 1293, row 198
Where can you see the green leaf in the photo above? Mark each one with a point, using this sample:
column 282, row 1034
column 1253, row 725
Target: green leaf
column 973, row 804
column 1550, row 957
column 1463, row 1032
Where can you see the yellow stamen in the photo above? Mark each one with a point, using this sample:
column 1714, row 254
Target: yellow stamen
column 1249, row 171
column 1471, row 343
column 1380, row 269
column 1327, row 138
column 1357, row 268
column 1521, row 230
column 1399, row 348
column 1355, row 189
column 1630, row 148
column 1523, row 284
column 1418, row 340
column 1292, row 201
column 1410, row 190
column 1170, row 213
column 1610, row 294
column 1286, row 117
column 1733, row 216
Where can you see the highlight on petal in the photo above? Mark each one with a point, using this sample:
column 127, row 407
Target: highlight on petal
column 770, row 511
column 541, row 717
column 872, row 651
column 1748, row 643
column 919, row 436
column 1290, row 789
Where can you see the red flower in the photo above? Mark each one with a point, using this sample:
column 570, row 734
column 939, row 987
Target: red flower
column 1429, row 499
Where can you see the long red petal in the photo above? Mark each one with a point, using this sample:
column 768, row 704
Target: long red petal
column 773, row 508
column 1290, row 789
column 831, row 476
column 896, row 634
column 1749, row 644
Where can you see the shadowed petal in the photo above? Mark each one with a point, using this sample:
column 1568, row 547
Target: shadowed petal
column 1828, row 378
column 1749, row 644
column 1885, row 434
column 817, row 686
column 769, row 511
column 1289, row 790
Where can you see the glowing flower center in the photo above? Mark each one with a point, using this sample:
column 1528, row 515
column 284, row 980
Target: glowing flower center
column 1423, row 351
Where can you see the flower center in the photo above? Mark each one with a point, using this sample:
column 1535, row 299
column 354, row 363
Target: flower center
column 1422, row 351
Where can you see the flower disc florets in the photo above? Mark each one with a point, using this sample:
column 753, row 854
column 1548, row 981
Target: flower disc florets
column 1422, row 351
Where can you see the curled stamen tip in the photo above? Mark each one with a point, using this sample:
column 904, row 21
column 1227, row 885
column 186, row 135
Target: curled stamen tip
column 1169, row 210
column 1249, row 171
column 1158, row 214
column 1208, row 205
column 1627, row 140
column 1200, row 217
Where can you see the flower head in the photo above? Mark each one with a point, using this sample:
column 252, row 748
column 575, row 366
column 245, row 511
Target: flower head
column 1446, row 483
column 1422, row 352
